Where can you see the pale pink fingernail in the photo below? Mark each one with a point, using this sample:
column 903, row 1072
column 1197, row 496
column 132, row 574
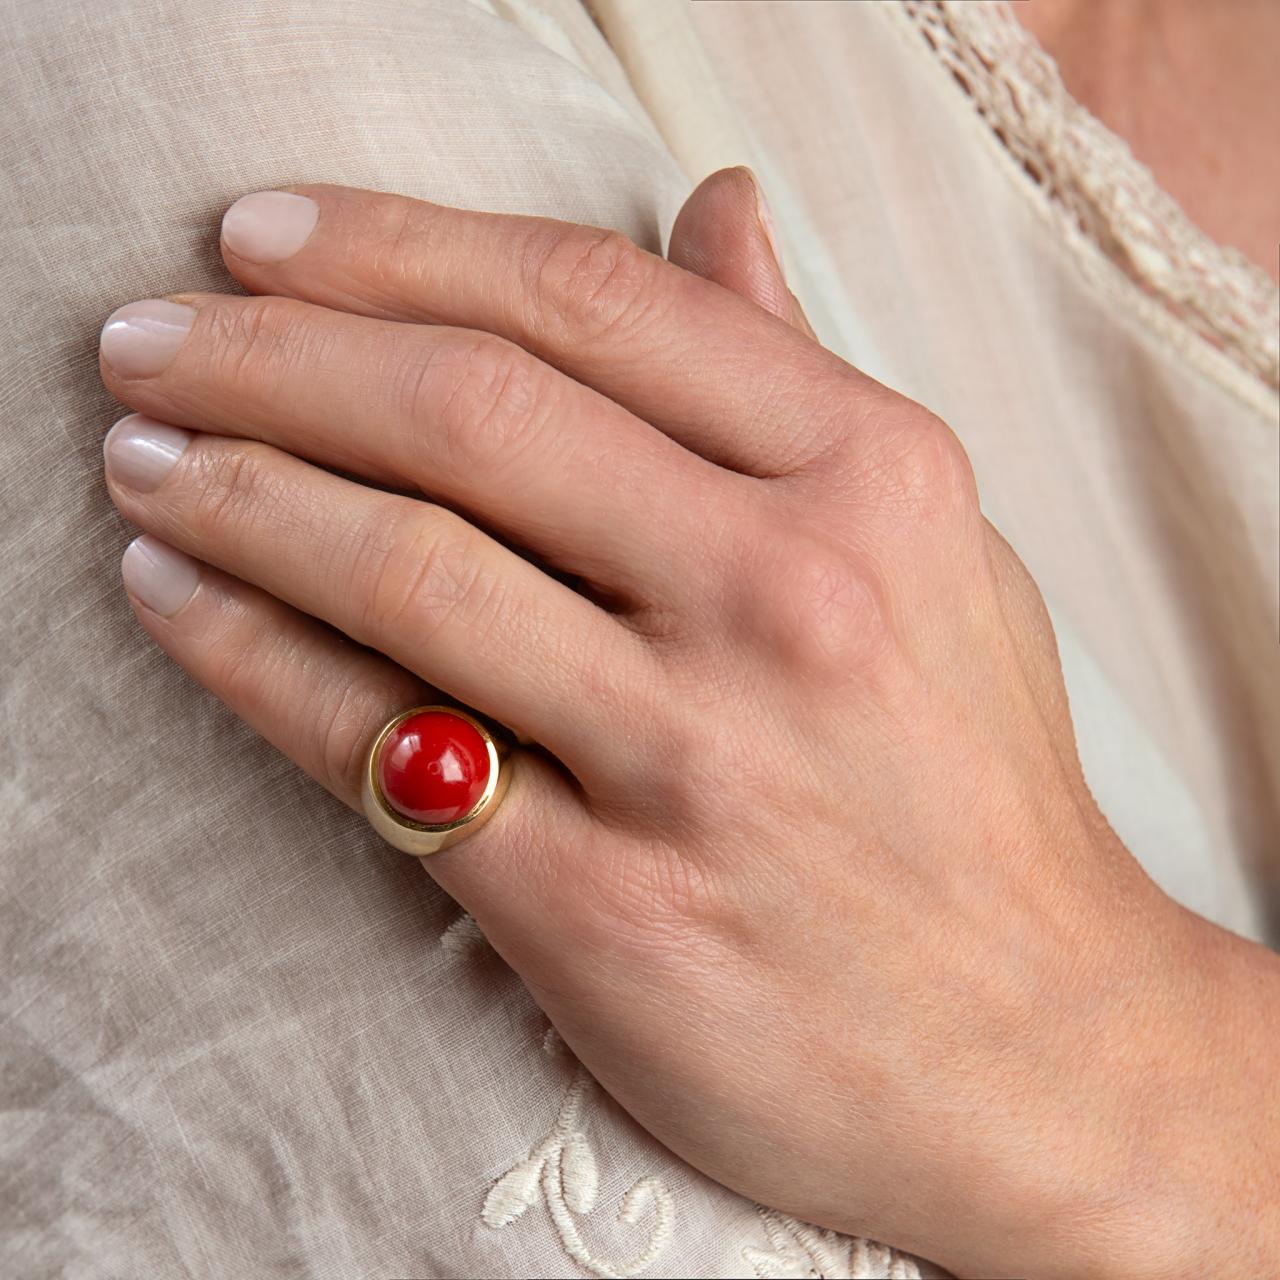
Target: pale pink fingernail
column 139, row 340
column 158, row 575
column 139, row 452
column 269, row 226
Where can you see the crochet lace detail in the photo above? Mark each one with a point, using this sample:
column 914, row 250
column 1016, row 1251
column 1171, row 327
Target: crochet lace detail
column 1095, row 187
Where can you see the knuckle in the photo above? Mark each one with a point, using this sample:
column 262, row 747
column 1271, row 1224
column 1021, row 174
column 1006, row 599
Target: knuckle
column 231, row 485
column 831, row 620
column 593, row 283
column 917, row 466
column 817, row 607
column 398, row 249
column 253, row 343
column 490, row 405
column 428, row 577
column 240, row 652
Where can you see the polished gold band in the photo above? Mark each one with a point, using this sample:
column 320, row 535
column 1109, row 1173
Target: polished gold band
column 413, row 837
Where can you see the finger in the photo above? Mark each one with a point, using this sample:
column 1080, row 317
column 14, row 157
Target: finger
column 683, row 354
column 725, row 233
column 322, row 701
column 408, row 578
column 469, row 418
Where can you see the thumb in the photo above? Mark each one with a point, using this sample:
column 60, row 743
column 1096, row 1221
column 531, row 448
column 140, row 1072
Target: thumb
column 725, row 233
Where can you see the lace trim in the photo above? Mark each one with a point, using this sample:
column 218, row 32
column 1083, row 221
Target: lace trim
column 1097, row 189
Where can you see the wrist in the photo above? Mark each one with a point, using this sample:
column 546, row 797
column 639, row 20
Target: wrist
column 1219, row 1163
column 1189, row 1181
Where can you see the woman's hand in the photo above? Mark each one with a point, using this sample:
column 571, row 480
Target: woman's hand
column 807, row 873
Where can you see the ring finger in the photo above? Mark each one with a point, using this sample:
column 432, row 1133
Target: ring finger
column 408, row 578
column 322, row 702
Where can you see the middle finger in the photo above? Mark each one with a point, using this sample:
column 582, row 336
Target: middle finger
column 467, row 417
column 739, row 387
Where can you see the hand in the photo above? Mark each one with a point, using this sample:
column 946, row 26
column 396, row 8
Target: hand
column 804, row 868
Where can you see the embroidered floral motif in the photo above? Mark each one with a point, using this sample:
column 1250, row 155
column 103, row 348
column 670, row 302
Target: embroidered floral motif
column 799, row 1251
column 463, row 937
column 561, row 1170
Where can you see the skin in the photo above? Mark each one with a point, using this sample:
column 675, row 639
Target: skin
column 803, row 866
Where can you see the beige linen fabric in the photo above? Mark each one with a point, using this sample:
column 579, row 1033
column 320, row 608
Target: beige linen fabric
column 241, row 1037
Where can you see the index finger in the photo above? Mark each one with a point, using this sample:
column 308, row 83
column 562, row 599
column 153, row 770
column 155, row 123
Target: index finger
column 739, row 387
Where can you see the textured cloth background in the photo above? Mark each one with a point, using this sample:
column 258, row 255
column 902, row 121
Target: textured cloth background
column 240, row 1036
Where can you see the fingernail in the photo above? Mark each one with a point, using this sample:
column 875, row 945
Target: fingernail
column 767, row 222
column 161, row 577
column 140, row 339
column 139, row 452
column 269, row 226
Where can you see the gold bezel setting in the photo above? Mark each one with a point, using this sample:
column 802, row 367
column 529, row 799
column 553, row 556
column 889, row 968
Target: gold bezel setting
column 415, row 838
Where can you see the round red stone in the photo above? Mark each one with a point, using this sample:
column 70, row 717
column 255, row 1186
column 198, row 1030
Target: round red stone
column 433, row 768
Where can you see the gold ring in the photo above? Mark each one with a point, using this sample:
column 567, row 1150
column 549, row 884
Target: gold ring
column 433, row 776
